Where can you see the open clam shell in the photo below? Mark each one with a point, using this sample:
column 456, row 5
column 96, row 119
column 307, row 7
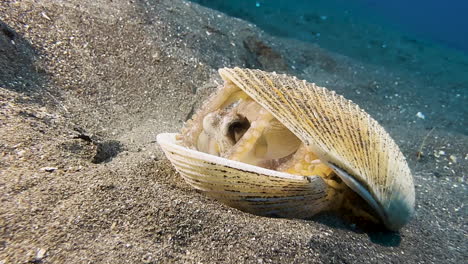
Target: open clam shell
column 337, row 131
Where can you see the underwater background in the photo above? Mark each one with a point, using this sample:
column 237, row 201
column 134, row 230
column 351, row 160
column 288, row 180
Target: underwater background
column 442, row 22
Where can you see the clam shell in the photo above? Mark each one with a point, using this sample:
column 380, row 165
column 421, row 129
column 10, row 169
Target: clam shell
column 343, row 136
column 249, row 188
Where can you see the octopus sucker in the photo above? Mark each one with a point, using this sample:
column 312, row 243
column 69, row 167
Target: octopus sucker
column 263, row 135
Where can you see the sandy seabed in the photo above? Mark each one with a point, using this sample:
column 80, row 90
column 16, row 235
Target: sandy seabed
column 87, row 85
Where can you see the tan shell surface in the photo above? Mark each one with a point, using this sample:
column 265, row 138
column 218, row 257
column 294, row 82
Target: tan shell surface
column 340, row 133
column 246, row 187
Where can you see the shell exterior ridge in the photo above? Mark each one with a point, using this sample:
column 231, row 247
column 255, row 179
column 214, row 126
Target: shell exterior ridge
column 339, row 132
column 249, row 188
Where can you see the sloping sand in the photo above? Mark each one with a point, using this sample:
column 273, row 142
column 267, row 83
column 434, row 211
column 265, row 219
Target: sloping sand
column 87, row 85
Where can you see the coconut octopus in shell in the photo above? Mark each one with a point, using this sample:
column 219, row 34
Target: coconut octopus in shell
column 273, row 145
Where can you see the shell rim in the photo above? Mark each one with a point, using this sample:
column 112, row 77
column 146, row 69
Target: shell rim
column 170, row 139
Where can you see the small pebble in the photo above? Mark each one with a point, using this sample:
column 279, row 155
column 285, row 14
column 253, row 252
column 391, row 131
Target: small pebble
column 440, row 153
column 453, row 158
column 421, row 115
column 44, row 15
column 40, row 254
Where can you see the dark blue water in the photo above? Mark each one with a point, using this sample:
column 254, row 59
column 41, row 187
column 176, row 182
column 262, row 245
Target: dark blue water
column 442, row 22
column 445, row 22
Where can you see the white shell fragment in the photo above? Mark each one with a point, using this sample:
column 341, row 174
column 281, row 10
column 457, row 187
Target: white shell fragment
column 260, row 119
